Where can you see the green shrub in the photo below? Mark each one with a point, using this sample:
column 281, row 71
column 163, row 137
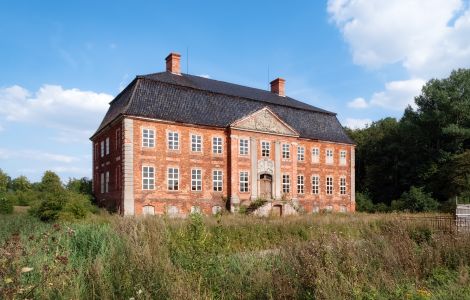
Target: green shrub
column 78, row 206
column 364, row 203
column 417, row 200
column 6, row 207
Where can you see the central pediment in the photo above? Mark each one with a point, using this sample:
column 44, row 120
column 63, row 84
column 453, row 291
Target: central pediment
column 264, row 120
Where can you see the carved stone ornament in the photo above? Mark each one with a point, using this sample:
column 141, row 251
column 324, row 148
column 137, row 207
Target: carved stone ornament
column 265, row 166
column 264, row 121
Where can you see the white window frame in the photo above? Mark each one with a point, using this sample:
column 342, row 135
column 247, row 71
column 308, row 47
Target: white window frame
column 285, row 183
column 148, row 210
column 173, row 140
column 285, row 151
column 315, row 155
column 300, row 184
column 329, row 156
column 196, row 143
column 217, row 180
column 342, row 185
column 102, row 148
column 173, row 178
column 148, row 178
column 329, row 185
column 342, row 157
column 148, row 138
column 196, row 180
column 102, row 183
column 217, row 145
column 107, row 146
column 300, row 153
column 244, row 179
column 315, row 184
column 265, row 149
column 243, row 147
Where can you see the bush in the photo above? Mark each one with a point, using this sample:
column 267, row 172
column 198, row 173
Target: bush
column 364, row 203
column 6, row 207
column 78, row 206
column 417, row 200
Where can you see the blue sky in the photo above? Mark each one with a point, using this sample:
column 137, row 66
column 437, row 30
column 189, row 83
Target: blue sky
column 61, row 62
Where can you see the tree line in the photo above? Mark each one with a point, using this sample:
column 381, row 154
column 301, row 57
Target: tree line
column 420, row 162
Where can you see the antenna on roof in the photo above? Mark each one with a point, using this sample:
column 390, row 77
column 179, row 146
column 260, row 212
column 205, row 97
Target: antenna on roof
column 268, row 76
column 187, row 60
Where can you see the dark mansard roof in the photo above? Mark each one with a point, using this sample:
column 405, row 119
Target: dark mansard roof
column 197, row 100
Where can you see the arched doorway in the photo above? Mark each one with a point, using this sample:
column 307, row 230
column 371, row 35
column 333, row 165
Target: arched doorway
column 266, row 186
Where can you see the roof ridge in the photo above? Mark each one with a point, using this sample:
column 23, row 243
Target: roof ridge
column 315, row 109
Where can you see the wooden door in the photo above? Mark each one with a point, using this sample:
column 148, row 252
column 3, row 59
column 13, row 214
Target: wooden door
column 266, row 186
column 276, row 211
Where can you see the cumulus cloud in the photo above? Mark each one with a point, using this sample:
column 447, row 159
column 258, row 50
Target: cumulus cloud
column 358, row 103
column 398, row 94
column 427, row 38
column 36, row 155
column 357, row 123
column 73, row 112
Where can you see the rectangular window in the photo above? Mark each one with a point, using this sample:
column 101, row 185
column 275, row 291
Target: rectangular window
column 96, row 154
column 118, row 140
column 265, row 148
column 173, row 140
column 315, row 184
column 148, row 178
column 300, row 184
column 342, row 157
column 329, row 185
column 196, row 180
column 329, row 156
column 102, row 148
column 244, row 181
column 107, row 145
column 300, row 153
column 118, row 178
column 285, row 151
column 148, row 138
column 173, row 179
column 243, row 147
column 315, row 155
column 285, row 183
column 217, row 180
column 102, row 183
column 107, row 182
column 196, row 143
column 217, row 145
column 342, row 185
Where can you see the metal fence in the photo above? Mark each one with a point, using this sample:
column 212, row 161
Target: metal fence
column 443, row 223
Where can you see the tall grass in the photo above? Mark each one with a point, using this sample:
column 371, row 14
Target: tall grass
column 328, row 256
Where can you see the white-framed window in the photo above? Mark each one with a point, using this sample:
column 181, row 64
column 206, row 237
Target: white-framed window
column 343, row 209
column 329, row 156
column 342, row 157
column 216, row 209
column 265, row 148
column 102, row 148
column 173, row 179
column 217, row 180
column 285, row 183
column 107, row 145
column 300, row 153
column 342, row 185
column 118, row 139
column 148, row 210
column 315, row 184
column 300, row 184
column 148, row 138
column 243, row 146
column 96, row 153
column 244, row 181
column 106, row 188
column 316, row 209
column 285, row 151
column 329, row 208
column 196, row 180
column 148, row 178
column 195, row 209
column 315, row 155
column 173, row 140
column 102, row 183
column 196, row 143
column 329, row 185
column 217, row 145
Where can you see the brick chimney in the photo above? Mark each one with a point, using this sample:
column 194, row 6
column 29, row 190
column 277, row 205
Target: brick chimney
column 173, row 63
column 278, row 87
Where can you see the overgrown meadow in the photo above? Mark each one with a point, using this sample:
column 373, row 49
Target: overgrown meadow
column 324, row 256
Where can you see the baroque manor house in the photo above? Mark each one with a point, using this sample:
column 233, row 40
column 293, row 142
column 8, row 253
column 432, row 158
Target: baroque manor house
column 174, row 143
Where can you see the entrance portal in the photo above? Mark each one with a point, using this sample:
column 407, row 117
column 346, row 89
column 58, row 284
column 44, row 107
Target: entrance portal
column 276, row 211
column 266, row 186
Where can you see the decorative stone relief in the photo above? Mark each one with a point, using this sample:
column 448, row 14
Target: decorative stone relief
column 265, row 121
column 265, row 166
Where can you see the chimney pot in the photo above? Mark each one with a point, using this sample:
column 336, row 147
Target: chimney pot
column 278, row 87
column 173, row 63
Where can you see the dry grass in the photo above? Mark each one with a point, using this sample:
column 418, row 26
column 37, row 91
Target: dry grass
column 331, row 256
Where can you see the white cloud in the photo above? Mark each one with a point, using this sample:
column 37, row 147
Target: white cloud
column 357, row 123
column 358, row 103
column 204, row 75
column 73, row 112
column 36, row 156
column 427, row 39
